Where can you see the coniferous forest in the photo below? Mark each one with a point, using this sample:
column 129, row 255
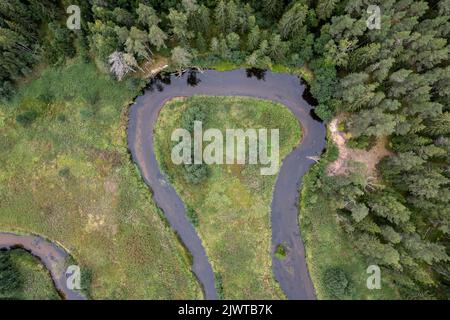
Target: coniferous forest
column 388, row 84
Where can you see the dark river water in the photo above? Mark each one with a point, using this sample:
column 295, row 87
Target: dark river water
column 291, row 272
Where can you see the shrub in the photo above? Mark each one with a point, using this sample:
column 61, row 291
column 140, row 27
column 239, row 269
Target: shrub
column 10, row 278
column 336, row 282
column 219, row 286
column 28, row 117
column 46, row 97
column 93, row 97
column 60, row 44
column 324, row 112
column 61, row 117
column 361, row 142
column 86, row 113
column 194, row 113
column 134, row 84
column 280, row 252
column 6, row 90
column 86, row 280
column 192, row 216
column 196, row 173
column 64, row 172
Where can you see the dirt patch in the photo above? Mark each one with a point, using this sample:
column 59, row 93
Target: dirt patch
column 153, row 67
column 105, row 160
column 111, row 186
column 236, row 169
column 347, row 156
column 94, row 222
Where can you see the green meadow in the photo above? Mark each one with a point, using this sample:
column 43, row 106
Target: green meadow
column 66, row 174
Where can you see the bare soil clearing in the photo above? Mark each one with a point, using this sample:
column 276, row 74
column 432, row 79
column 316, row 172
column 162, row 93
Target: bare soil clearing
column 347, row 156
column 153, row 67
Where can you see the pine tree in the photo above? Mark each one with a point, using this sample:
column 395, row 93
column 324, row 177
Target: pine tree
column 423, row 250
column 253, row 38
column 180, row 58
column 233, row 41
column 272, row 8
column 293, row 21
column 147, row 16
column 137, row 43
column 388, row 207
column 325, row 8
column 383, row 254
column 179, row 24
column 220, row 15
column 157, row 37
column 122, row 17
column 10, row 278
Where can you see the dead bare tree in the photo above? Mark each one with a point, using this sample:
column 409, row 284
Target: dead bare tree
column 119, row 65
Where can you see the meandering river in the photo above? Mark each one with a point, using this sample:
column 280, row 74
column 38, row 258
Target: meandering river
column 291, row 272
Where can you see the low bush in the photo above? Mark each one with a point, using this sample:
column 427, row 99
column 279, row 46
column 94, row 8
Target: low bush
column 361, row 142
column 27, row 118
column 336, row 282
column 10, row 278
column 280, row 252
